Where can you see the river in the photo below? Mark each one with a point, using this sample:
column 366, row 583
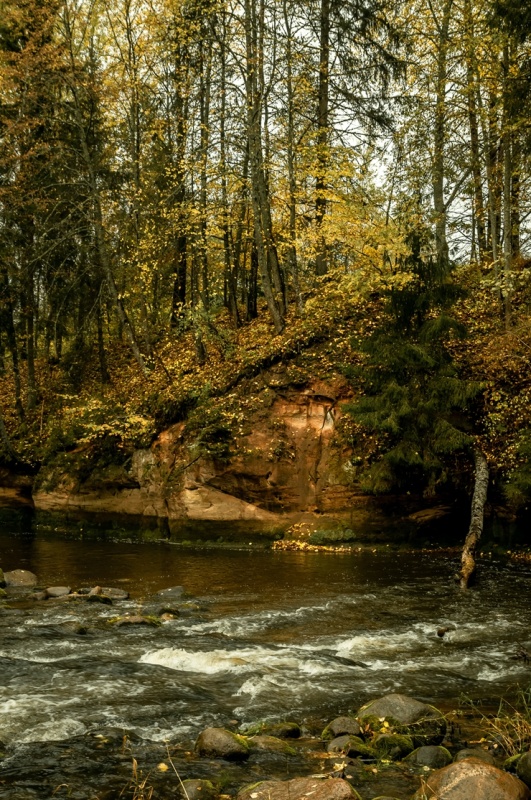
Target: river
column 262, row 635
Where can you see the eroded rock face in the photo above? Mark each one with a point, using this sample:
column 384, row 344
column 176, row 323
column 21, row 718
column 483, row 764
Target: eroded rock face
column 284, row 462
column 300, row 789
column 469, row 779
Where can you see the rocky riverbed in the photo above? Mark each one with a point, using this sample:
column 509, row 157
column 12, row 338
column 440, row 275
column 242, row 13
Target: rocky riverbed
column 394, row 746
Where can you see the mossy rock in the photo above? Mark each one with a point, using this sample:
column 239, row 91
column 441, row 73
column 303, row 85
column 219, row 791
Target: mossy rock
column 353, row 747
column 271, row 744
column 423, row 722
column 220, row 743
column 394, row 746
column 432, row 756
column 285, row 730
column 3, row 594
column 2, row 579
column 280, row 730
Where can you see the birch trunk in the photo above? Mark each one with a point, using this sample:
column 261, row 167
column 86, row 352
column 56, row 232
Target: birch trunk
column 468, row 556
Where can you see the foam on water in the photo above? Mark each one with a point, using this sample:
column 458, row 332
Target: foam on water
column 238, row 661
column 53, row 731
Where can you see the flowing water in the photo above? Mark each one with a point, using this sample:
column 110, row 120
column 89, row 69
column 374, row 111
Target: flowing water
column 263, row 635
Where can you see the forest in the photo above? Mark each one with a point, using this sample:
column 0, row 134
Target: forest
column 194, row 190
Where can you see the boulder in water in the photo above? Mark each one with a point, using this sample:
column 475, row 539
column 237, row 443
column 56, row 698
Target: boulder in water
column 114, row 594
column 432, row 756
column 300, row 789
column 340, row 726
column 134, row 619
column 172, row 593
column 220, row 743
column 20, row 577
column 284, row 730
column 57, row 591
column 470, row 779
column 271, row 744
column 351, row 746
column 425, row 723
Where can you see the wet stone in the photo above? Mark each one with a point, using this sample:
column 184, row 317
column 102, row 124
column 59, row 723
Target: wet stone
column 476, row 752
column 39, row 596
column 284, row 730
column 134, row 619
column 432, row 756
column 341, row 726
column 271, row 744
column 220, row 743
column 469, row 779
column 57, row 591
column 20, row 577
column 115, row 594
column 99, row 598
column 351, row 746
column 299, row 789
column 172, row 593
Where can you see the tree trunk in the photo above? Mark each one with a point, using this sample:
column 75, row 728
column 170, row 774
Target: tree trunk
column 507, row 195
column 468, row 556
column 439, row 206
column 479, row 207
column 321, row 259
column 97, row 213
column 11, row 336
column 263, row 231
column 291, row 159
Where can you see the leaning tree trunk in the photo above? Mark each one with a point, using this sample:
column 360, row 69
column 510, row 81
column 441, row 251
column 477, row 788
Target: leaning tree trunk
column 468, row 556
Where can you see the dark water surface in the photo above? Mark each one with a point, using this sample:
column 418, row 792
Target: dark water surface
column 264, row 635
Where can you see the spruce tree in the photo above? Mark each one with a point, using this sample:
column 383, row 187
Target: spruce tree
column 412, row 396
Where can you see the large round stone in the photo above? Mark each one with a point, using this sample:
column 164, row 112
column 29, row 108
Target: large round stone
column 425, row 723
column 300, row 789
column 20, row 577
column 472, row 779
column 340, row 726
column 432, row 756
column 219, row 743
